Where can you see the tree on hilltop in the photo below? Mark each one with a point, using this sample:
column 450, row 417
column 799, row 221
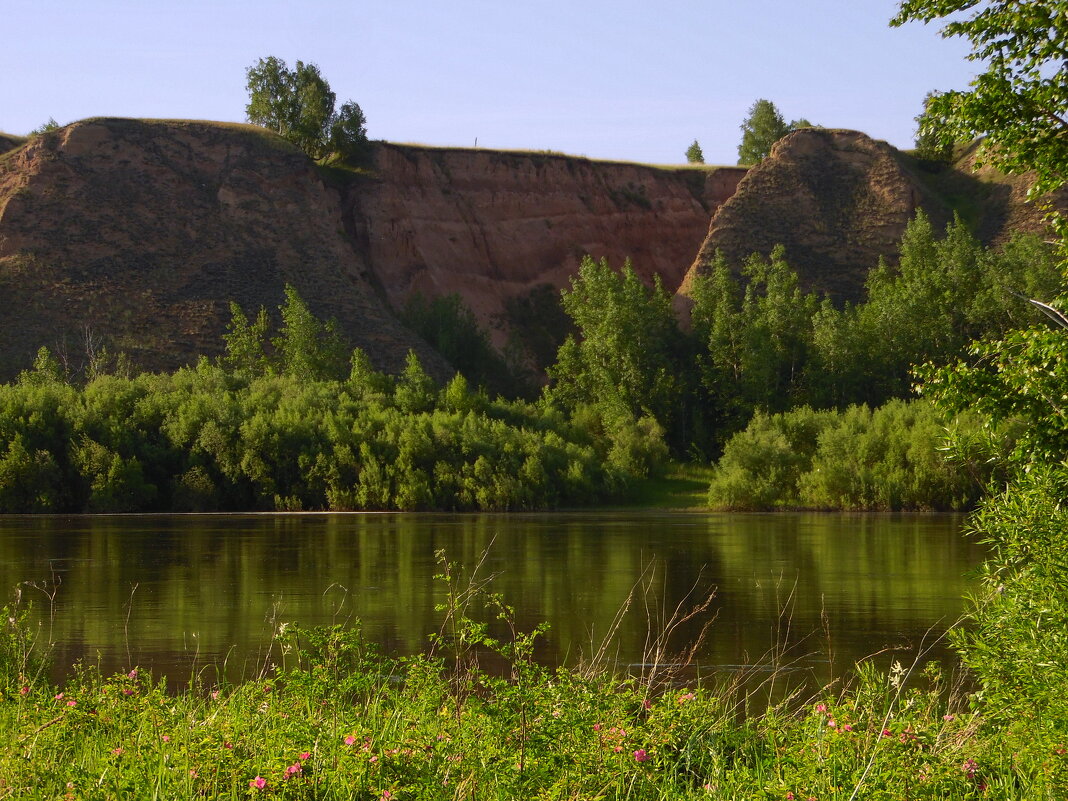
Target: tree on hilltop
column 298, row 105
column 763, row 128
column 694, row 154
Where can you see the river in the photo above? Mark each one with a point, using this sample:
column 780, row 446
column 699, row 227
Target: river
column 187, row 593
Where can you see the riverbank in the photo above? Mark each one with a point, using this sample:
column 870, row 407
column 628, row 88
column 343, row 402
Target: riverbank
column 329, row 718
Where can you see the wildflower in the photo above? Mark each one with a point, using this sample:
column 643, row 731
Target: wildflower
column 258, row 783
column 128, row 691
column 166, row 738
column 350, row 740
column 59, row 696
column 386, row 795
column 821, row 707
column 214, row 695
column 647, row 704
column 304, row 756
column 132, row 674
column 193, row 773
column 24, row 690
column 596, row 726
column 641, row 755
column 117, row 751
column 847, row 727
column 294, row 769
column 789, row 797
column 887, row 733
column 832, row 724
column 686, row 697
column 969, row 767
column 949, row 717
column 72, row 703
column 229, row 746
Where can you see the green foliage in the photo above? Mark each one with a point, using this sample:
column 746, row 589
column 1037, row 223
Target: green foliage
column 450, row 327
column 299, row 105
column 754, row 342
column 47, row 127
column 694, row 154
column 932, row 144
column 762, row 128
column 883, row 459
column 1017, row 100
column 626, row 360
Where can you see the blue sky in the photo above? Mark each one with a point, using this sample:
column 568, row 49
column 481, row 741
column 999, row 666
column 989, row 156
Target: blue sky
column 624, row 80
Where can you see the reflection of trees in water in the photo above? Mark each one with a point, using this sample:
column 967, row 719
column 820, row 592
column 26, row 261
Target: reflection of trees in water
column 223, row 577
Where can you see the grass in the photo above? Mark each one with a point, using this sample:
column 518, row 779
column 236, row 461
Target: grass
column 328, row 717
column 682, row 486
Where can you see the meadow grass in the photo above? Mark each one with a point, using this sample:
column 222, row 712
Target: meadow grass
column 329, row 717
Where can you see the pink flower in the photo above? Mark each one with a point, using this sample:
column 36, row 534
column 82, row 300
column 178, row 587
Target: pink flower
column 132, row 674
column 821, row 707
column 596, row 726
column 647, row 704
column 304, row 756
column 194, row 774
column 72, row 703
column 832, row 724
column 214, row 695
column 166, row 738
column 686, row 697
column 847, row 727
column 386, row 795
column 128, row 691
column 350, row 740
column 24, row 690
column 59, row 696
column 228, row 745
column 117, row 751
column 887, row 733
column 789, row 797
column 293, row 769
column 258, row 783
column 641, row 755
column 949, row 717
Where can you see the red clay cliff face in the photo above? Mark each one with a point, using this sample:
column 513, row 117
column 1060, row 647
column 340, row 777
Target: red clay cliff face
column 491, row 225
column 141, row 232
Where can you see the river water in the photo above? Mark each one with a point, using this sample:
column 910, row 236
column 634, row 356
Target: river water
column 188, row 593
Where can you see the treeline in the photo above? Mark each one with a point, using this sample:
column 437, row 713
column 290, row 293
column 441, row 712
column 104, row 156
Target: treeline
column 758, row 342
column 287, row 423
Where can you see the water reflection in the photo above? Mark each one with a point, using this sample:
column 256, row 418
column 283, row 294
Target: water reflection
column 178, row 592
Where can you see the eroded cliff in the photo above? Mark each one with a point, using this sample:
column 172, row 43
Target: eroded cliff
column 839, row 200
column 137, row 234
column 492, row 225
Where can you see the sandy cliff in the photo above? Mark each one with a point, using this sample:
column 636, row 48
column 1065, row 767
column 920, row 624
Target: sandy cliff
column 491, row 225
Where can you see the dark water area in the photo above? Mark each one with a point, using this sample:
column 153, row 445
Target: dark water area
column 185, row 594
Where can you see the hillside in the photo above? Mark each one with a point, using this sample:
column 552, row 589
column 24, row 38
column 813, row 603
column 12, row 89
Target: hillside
column 135, row 235
column 839, row 200
column 138, row 234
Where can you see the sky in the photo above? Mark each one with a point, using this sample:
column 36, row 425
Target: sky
column 622, row 80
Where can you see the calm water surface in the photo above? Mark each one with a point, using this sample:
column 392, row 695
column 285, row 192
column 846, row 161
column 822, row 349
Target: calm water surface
column 182, row 593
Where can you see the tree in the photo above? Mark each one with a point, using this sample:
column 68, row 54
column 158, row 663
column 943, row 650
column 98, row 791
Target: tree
column 694, row 155
column 298, row 105
column 1017, row 103
column 762, row 128
column 931, row 143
